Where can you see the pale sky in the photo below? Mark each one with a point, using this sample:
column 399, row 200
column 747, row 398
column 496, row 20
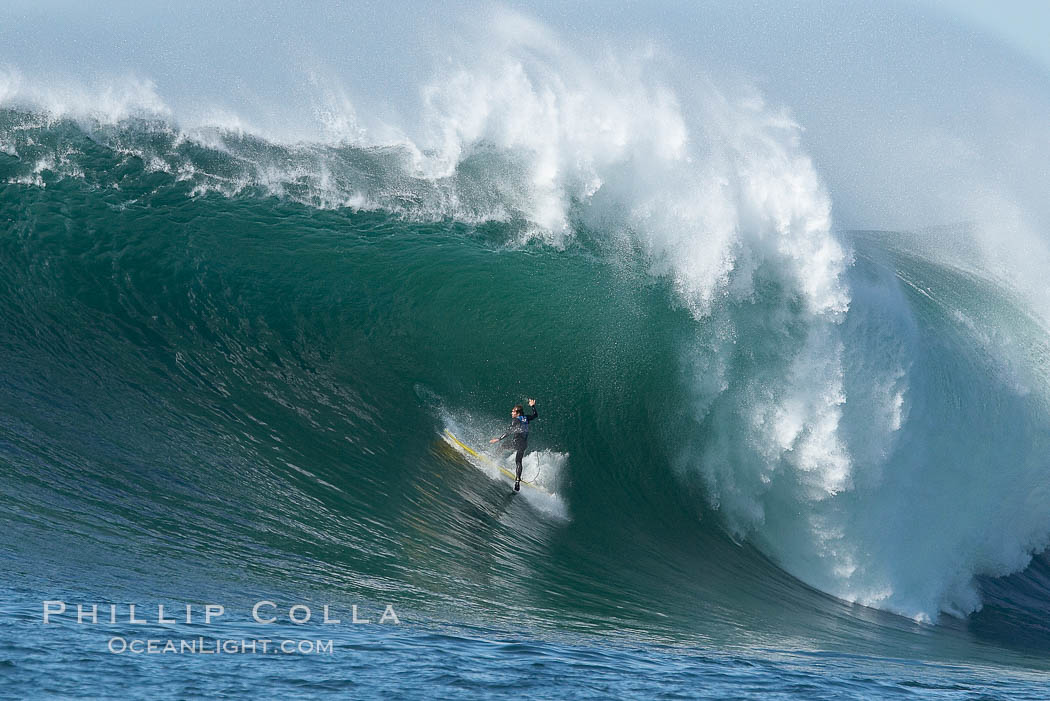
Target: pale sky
column 1024, row 24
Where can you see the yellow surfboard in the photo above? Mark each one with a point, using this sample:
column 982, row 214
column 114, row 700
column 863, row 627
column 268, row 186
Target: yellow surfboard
column 488, row 461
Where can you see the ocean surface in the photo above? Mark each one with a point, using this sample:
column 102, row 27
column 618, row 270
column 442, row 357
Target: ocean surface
column 778, row 458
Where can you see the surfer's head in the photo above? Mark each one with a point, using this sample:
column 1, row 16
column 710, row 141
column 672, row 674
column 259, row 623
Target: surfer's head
column 516, row 411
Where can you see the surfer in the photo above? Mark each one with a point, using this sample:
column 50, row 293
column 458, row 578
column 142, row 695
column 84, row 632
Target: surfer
column 519, row 436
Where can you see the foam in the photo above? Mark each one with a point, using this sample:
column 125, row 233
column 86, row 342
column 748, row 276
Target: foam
column 104, row 101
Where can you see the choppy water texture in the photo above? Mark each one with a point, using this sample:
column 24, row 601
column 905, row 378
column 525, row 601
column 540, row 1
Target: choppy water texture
column 779, row 460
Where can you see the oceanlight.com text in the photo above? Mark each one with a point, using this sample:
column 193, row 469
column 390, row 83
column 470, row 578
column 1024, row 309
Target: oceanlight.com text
column 218, row 646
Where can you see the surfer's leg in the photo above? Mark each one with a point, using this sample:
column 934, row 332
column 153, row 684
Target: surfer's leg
column 517, row 461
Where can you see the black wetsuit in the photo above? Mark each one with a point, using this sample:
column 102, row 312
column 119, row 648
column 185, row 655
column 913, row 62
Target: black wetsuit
column 519, row 437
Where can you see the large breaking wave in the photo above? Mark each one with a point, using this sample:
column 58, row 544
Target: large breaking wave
column 862, row 408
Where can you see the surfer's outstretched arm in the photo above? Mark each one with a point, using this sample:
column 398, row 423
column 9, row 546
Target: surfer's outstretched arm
column 535, row 411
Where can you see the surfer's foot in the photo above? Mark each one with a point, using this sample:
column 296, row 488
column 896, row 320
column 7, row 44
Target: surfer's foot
column 517, row 485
